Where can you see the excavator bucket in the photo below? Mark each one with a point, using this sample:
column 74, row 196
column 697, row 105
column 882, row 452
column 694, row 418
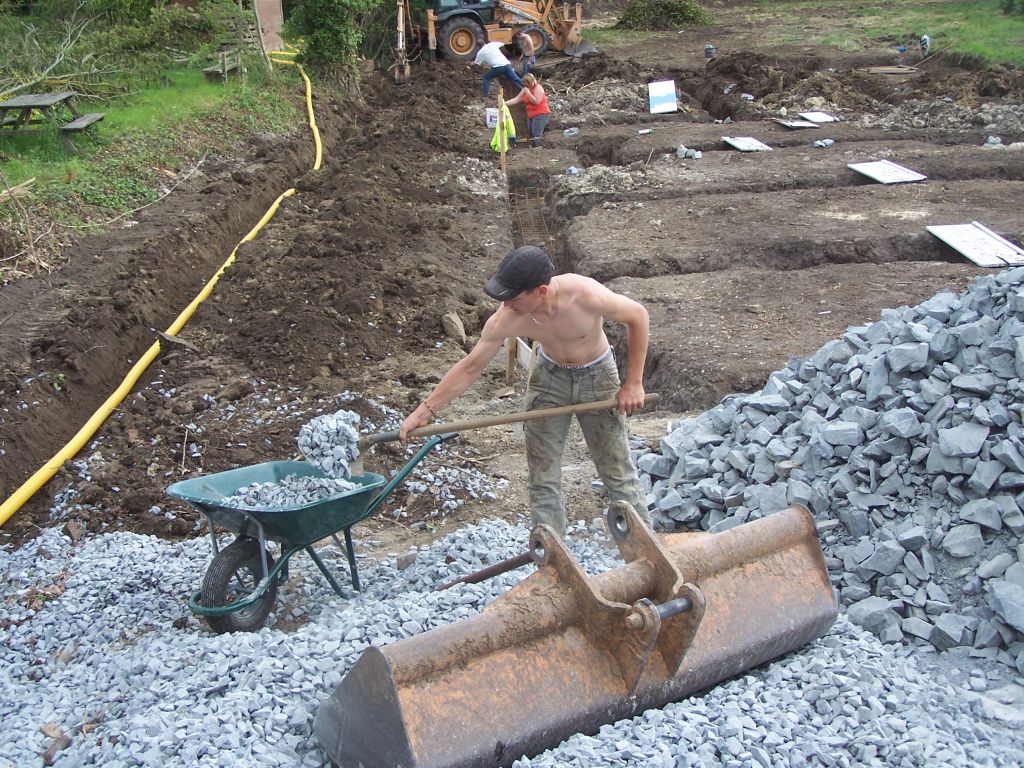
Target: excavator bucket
column 571, row 30
column 564, row 653
column 581, row 48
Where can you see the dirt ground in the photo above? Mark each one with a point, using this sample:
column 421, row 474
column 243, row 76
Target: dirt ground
column 743, row 259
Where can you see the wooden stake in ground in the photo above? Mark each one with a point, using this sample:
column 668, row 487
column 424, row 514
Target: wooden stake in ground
column 510, row 362
column 502, row 143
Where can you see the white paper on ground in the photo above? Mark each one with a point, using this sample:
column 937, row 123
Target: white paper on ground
column 886, row 172
column 979, row 244
column 746, row 144
column 662, row 96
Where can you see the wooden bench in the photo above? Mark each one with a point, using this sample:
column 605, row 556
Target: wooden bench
column 79, row 124
column 228, row 65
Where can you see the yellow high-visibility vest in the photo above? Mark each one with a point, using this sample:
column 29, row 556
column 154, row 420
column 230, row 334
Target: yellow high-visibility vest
column 510, row 132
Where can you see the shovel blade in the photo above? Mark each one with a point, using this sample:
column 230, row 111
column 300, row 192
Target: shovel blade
column 529, row 671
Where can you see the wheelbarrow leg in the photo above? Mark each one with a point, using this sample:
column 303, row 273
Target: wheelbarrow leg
column 350, row 552
column 323, row 569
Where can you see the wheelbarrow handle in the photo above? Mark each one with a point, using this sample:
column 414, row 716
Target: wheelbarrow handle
column 488, row 421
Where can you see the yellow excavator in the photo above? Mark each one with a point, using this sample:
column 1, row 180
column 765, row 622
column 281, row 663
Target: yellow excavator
column 457, row 29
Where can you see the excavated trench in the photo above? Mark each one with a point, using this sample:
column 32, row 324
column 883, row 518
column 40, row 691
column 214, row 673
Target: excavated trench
column 744, row 258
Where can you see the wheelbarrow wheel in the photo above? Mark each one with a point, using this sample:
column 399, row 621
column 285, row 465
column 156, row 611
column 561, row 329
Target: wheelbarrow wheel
column 234, row 574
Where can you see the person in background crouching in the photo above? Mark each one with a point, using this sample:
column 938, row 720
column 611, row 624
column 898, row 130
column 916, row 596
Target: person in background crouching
column 491, row 57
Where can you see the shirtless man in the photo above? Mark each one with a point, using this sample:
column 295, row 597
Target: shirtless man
column 575, row 364
column 527, row 53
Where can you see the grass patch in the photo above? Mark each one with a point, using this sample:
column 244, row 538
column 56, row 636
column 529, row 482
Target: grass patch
column 146, row 142
column 611, row 37
column 976, row 27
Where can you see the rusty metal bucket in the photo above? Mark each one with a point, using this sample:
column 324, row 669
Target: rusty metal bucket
column 564, row 653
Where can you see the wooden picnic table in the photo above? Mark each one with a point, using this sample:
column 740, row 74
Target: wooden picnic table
column 45, row 104
column 35, row 111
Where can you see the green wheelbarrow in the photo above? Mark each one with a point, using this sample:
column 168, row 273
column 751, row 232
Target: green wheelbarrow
column 240, row 586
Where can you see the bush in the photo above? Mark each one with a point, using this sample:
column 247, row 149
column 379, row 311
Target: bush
column 663, row 14
column 118, row 11
column 1012, row 7
column 170, row 26
column 333, row 32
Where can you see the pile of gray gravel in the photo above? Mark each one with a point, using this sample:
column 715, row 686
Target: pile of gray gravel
column 947, row 114
column 112, row 660
column 905, row 440
column 331, row 442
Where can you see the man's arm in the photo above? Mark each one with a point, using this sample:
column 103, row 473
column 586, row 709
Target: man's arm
column 621, row 309
column 459, row 377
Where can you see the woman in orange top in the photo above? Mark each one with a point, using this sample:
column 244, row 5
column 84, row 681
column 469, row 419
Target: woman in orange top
column 537, row 110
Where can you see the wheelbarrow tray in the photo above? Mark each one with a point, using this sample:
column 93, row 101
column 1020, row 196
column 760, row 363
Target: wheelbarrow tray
column 298, row 525
column 295, row 527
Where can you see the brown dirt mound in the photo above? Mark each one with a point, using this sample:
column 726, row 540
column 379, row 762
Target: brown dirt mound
column 601, row 66
column 372, row 239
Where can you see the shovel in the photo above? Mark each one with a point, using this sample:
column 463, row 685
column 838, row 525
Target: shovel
column 489, row 421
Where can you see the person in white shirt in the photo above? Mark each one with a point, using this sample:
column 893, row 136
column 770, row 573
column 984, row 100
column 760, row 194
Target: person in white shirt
column 491, row 56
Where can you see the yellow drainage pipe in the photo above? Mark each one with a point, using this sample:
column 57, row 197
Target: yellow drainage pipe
column 309, row 110
column 49, row 469
column 24, row 492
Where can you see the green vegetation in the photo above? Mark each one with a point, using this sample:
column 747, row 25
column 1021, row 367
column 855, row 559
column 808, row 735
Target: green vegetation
column 663, row 15
column 108, row 47
column 334, row 31
column 162, row 116
column 146, row 144
column 154, row 130
column 991, row 30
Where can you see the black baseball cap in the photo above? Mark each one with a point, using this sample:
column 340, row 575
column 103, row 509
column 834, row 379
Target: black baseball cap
column 524, row 268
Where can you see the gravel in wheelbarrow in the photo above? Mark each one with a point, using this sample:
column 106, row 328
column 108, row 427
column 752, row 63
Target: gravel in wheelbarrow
column 240, row 585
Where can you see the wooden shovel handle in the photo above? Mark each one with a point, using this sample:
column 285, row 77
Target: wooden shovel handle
column 489, row 421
